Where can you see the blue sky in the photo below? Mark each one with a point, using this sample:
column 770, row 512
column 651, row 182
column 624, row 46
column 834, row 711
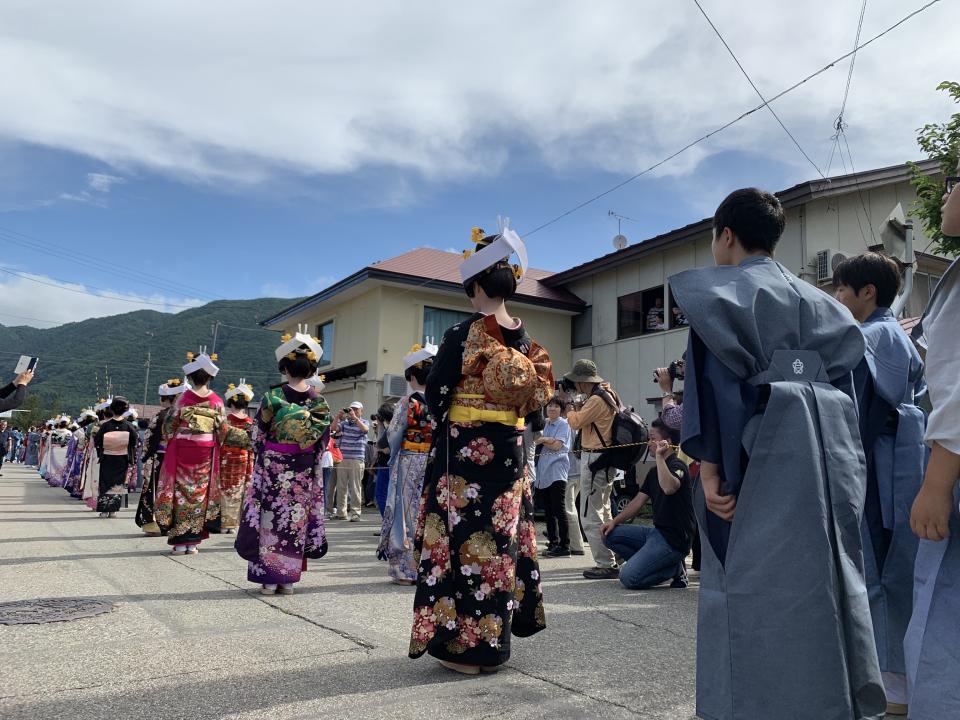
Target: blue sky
column 237, row 168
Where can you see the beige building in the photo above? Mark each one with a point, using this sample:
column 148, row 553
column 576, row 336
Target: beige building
column 826, row 220
column 367, row 322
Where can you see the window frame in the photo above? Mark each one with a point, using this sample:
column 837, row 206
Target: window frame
column 644, row 294
column 327, row 359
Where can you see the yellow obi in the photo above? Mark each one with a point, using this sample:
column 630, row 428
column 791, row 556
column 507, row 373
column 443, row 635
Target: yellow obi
column 416, row 447
column 471, row 407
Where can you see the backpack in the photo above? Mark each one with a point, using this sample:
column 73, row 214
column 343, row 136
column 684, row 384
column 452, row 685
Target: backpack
column 628, row 429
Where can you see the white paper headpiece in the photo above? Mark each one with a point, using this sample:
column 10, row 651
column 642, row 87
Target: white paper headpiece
column 419, row 353
column 289, row 343
column 500, row 249
column 241, row 389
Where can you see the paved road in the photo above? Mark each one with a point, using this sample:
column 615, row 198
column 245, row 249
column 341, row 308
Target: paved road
column 190, row 638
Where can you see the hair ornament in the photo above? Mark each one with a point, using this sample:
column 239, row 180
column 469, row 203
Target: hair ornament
column 189, row 357
column 286, row 337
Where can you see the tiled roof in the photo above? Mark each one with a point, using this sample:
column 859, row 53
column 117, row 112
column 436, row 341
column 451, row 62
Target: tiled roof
column 436, row 269
column 432, row 264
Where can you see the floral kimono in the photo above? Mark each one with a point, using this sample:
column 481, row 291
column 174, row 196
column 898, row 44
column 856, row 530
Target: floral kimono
column 410, row 434
column 236, row 467
column 155, row 449
column 282, row 522
column 188, row 493
column 478, row 579
column 91, row 470
column 56, row 457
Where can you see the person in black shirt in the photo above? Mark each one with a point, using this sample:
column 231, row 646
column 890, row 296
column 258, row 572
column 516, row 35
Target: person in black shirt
column 653, row 555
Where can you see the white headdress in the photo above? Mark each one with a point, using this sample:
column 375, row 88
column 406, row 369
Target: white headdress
column 289, row 343
column 418, row 353
column 87, row 413
column 202, row 361
column 131, row 413
column 103, row 404
column 241, row 389
column 508, row 243
column 317, row 381
column 173, row 386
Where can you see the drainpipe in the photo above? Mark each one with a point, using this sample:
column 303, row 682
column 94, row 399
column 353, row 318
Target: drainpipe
column 901, row 302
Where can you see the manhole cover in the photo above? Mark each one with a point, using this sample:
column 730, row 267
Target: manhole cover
column 47, row 610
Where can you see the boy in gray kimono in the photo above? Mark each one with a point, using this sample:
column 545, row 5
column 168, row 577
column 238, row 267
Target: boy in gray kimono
column 784, row 624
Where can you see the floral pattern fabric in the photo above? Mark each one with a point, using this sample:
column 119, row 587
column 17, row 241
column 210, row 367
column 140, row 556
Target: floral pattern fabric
column 282, row 523
column 188, row 489
column 236, row 469
column 478, row 580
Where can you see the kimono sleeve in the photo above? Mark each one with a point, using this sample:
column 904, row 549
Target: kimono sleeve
column 446, row 371
column 98, row 441
column 134, row 438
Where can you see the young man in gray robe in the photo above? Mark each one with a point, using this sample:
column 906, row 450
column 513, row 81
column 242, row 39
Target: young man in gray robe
column 889, row 383
column 784, row 626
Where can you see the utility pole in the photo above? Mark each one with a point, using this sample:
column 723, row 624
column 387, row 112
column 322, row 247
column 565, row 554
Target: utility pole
column 146, row 380
column 216, row 330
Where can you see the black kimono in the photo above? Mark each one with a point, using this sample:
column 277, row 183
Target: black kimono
column 116, row 445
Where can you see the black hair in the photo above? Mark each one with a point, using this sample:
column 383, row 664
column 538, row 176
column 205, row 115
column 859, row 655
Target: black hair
column 419, row 371
column 672, row 434
column 556, row 401
column 871, row 268
column 199, row 378
column 101, row 415
column 238, row 401
column 497, row 281
column 385, row 413
column 86, row 420
column 300, row 367
column 754, row 216
column 107, row 413
column 119, row 405
column 63, row 423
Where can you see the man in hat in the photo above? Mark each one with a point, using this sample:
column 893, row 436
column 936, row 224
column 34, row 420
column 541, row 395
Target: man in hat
column 594, row 419
column 352, row 429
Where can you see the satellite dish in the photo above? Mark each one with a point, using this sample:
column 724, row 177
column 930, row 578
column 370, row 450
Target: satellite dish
column 893, row 233
column 620, row 242
column 836, row 260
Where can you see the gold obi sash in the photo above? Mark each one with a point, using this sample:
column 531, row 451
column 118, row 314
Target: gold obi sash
column 463, row 410
column 417, row 447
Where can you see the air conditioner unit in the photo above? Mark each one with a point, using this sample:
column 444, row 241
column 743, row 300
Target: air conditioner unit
column 394, row 386
column 824, row 263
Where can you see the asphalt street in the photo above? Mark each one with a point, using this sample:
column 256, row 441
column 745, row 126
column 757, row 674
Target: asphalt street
column 190, row 638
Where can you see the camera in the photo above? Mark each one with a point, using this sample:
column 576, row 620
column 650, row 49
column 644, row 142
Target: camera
column 675, row 370
column 565, row 385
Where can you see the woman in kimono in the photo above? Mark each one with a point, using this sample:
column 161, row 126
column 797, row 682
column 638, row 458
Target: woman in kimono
column 155, row 448
column 76, row 462
column 283, row 515
column 409, row 435
column 933, row 635
column 32, row 455
column 115, row 444
column 188, row 494
column 45, row 447
column 478, row 580
column 57, row 453
column 91, row 469
column 131, row 416
column 236, row 456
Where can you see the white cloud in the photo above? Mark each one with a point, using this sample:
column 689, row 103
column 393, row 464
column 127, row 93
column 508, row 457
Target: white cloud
column 285, row 290
column 98, row 187
column 237, row 91
column 49, row 302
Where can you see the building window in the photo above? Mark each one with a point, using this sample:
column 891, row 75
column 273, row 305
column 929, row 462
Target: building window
column 325, row 336
column 436, row 321
column 677, row 317
column 640, row 313
column 581, row 329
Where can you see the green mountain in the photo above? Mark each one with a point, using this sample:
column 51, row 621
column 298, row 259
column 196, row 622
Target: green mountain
column 78, row 360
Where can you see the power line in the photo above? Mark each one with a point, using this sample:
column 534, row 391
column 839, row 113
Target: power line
column 737, row 119
column 85, row 292
column 838, row 123
column 40, row 245
column 853, row 170
column 756, row 89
